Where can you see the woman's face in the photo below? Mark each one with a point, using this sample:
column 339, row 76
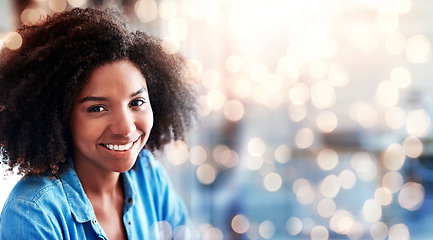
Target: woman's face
column 111, row 118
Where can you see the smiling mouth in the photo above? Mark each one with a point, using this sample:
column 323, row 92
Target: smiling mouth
column 118, row 147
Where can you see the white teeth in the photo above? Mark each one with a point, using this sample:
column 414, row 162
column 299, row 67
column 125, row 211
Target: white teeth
column 118, row 147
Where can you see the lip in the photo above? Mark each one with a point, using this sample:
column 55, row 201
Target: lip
column 119, row 149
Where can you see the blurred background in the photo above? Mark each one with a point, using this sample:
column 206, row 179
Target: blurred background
column 315, row 115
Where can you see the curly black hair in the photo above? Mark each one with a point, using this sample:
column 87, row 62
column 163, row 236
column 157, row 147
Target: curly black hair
column 39, row 81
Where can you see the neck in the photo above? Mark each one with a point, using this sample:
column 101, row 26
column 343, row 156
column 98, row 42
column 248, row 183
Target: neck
column 96, row 182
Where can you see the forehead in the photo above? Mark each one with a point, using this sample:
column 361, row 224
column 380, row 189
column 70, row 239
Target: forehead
column 112, row 79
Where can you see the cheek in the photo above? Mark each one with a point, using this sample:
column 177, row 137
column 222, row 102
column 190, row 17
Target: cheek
column 85, row 130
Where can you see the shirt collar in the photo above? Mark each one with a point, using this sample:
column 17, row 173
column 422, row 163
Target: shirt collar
column 79, row 204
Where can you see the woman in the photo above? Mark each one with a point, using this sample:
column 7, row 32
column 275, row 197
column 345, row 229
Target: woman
column 84, row 102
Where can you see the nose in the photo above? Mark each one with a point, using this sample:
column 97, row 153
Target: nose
column 123, row 123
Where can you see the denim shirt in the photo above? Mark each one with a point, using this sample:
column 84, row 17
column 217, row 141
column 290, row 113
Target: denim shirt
column 44, row 208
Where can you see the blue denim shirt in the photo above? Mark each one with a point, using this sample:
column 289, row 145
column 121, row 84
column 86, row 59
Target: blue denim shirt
column 44, row 208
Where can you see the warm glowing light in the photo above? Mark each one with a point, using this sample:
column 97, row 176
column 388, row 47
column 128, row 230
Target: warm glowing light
column 398, row 232
column 57, row 5
column 297, row 112
column 261, row 96
column 301, row 186
column 364, row 114
column 216, row 99
column 379, row 231
column 218, row 151
column 267, row 229
column 387, row 94
column 32, row 15
column 167, row 10
column 363, row 38
column 214, row 17
column 272, row 182
column 297, row 53
column 394, row 157
column 395, row 43
column 319, row 233
column 413, row 146
column 418, row 49
column 294, row 226
column 304, row 191
column 258, row 73
column 365, row 166
column 213, row 233
column 233, row 110
column 337, row 76
column 304, row 138
column 13, row 40
column 342, row 221
column 282, row 154
column 299, row 93
column 393, row 181
column 240, row 224
column 326, row 208
column 327, row 159
column 387, row 21
column 323, row 95
column 77, row 3
column 206, row 174
column 329, row 48
column 327, row 121
column 177, row 152
column 256, row 147
column 371, row 210
column 146, row 10
column 395, row 118
column 178, row 29
column 411, row 196
column 418, row 123
column 288, row 68
column 197, row 155
column 211, row 78
column 233, row 64
column 240, row 86
column 319, row 69
column 330, row 186
column 272, row 83
column 383, row 196
column 347, row 179
column 401, row 77
column 228, row 158
column 254, row 163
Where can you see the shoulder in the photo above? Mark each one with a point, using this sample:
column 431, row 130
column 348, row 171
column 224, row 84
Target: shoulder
column 34, row 189
column 32, row 207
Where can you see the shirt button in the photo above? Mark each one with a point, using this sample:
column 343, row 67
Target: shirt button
column 94, row 221
column 130, row 200
column 129, row 223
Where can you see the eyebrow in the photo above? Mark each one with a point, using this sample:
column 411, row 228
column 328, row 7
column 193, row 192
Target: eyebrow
column 102, row 99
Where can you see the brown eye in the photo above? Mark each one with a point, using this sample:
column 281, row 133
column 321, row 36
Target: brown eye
column 137, row 103
column 95, row 109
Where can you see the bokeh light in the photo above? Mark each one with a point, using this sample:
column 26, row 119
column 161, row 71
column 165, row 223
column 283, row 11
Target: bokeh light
column 411, row 196
column 240, row 224
column 13, row 40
